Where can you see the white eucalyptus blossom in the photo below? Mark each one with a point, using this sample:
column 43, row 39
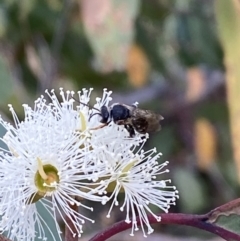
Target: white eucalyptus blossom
column 137, row 175
column 40, row 163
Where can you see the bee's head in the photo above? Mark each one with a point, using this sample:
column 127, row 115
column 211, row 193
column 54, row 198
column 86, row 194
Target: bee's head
column 105, row 114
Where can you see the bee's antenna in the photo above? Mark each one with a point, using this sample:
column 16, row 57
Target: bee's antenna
column 93, row 115
column 85, row 104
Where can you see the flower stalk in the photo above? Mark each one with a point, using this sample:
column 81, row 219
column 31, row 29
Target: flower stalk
column 196, row 221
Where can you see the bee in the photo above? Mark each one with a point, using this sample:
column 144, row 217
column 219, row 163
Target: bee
column 132, row 117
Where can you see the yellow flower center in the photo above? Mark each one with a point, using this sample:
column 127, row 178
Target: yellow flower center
column 123, row 174
column 46, row 178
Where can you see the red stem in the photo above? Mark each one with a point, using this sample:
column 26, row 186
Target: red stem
column 197, row 221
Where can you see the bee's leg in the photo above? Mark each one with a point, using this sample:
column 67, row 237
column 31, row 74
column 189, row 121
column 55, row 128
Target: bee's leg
column 99, row 127
column 120, row 122
column 130, row 129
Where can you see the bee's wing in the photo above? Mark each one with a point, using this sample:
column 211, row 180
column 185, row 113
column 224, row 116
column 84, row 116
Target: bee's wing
column 146, row 120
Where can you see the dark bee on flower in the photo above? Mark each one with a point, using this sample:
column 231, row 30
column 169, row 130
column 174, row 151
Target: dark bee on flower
column 132, row 117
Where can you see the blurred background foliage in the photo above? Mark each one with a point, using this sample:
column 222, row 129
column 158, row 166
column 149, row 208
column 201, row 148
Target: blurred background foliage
column 177, row 57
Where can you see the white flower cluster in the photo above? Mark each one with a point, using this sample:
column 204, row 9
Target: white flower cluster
column 57, row 157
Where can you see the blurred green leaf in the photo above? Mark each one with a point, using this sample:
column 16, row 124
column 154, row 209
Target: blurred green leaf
column 2, row 133
column 227, row 216
column 48, row 219
column 3, row 20
column 192, row 194
column 26, row 7
column 183, row 5
column 111, row 37
column 159, row 141
column 6, row 81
